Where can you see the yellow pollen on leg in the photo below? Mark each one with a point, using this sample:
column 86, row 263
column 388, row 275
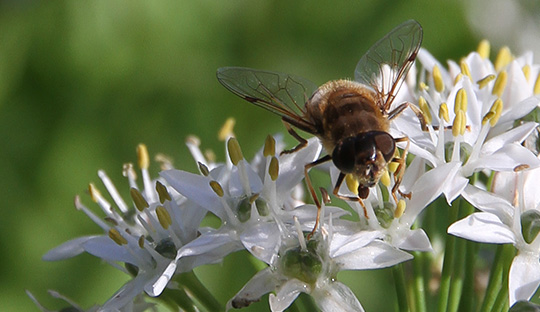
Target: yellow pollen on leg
column 504, row 57
column 500, row 84
column 483, row 49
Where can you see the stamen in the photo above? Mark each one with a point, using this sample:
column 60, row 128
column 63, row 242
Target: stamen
column 400, row 208
column 352, row 183
column 164, row 217
column 422, row 103
column 116, row 237
column 458, row 78
column 142, row 156
column 526, row 71
column 483, row 49
column 459, row 125
column 193, row 144
column 226, row 130
column 495, row 112
column 301, row 240
column 163, row 193
column 484, row 81
column 503, row 58
column 138, row 199
column 269, row 146
column 461, row 101
column 536, row 89
column 423, row 86
column 465, row 69
column 273, row 169
column 500, row 84
column 437, row 79
column 141, row 241
column 204, row 170
column 443, row 112
column 385, row 177
column 216, row 187
column 95, row 194
column 235, row 153
column 113, row 191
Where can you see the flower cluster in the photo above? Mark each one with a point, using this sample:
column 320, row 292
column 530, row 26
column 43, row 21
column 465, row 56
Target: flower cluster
column 469, row 145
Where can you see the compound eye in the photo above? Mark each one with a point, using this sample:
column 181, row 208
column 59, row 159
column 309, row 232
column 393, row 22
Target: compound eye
column 385, row 144
column 343, row 155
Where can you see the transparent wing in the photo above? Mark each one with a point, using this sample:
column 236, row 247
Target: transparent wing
column 386, row 63
column 280, row 93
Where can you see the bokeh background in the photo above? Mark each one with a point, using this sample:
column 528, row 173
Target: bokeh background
column 83, row 82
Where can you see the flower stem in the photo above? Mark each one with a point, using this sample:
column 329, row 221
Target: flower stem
column 495, row 283
column 448, row 262
column 401, row 288
column 194, row 287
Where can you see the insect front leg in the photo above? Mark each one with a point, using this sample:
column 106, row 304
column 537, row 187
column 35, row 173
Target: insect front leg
column 398, row 110
column 364, row 191
column 400, row 171
column 302, row 142
column 312, row 190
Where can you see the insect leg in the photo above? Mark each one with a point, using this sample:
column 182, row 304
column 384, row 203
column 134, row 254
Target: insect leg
column 302, row 142
column 312, row 190
column 398, row 110
column 398, row 175
column 351, row 198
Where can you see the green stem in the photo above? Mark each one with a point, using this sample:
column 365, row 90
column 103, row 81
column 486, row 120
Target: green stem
column 467, row 301
column 419, row 282
column 448, row 262
column 501, row 303
column 401, row 288
column 193, row 286
column 502, row 260
column 178, row 298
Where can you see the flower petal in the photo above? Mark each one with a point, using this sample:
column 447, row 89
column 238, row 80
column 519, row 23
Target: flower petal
column 524, row 277
column 262, row 240
column 336, row 297
column 482, row 227
column 261, row 283
column 376, row 255
column 68, row 249
column 286, row 295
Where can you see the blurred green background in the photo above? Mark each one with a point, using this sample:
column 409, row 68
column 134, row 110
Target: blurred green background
column 83, row 82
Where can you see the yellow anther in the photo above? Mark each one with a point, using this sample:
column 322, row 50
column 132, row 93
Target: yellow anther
column 400, row 208
column 253, row 198
column 392, row 167
column 164, row 217
column 163, row 193
column 138, row 199
column 465, row 69
column 437, row 79
column 443, row 112
column 210, row 156
column 526, row 71
column 424, row 107
column 503, row 58
column 461, row 101
column 226, row 130
column 484, row 81
column 141, row 241
column 459, row 125
column 116, row 237
column 273, row 168
column 483, row 49
column 216, row 187
column 235, row 153
column 94, row 193
column 458, row 78
column 352, row 183
column 536, row 89
column 203, row 169
column 269, row 146
column 496, row 109
column 142, row 156
column 500, row 84
column 423, row 86
column 385, row 178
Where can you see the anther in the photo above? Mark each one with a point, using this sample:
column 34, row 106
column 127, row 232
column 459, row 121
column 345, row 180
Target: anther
column 385, row 177
column 216, row 187
column 483, row 49
column 503, row 58
column 269, row 146
column 94, row 193
column 425, row 109
column 116, row 237
column 203, row 169
column 500, row 84
column 352, row 183
column 443, row 112
column 273, row 168
column 162, row 192
column 142, row 156
column 465, row 69
column 138, row 199
column 461, row 101
column 235, row 153
column 226, row 130
column 526, row 71
column 536, row 89
column 484, row 81
column 164, row 217
column 400, row 208
column 458, row 127
column 437, row 79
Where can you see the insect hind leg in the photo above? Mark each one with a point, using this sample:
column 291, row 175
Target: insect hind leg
column 302, row 142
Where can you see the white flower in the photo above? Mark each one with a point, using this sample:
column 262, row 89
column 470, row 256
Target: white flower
column 145, row 237
column 511, row 216
column 483, row 104
column 312, row 268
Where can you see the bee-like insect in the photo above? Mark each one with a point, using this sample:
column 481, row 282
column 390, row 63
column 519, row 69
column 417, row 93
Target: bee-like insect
column 351, row 118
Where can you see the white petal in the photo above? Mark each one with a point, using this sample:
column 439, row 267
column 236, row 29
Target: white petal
column 155, row 288
column 210, row 242
column 489, row 202
column 105, row 248
column 344, row 244
column 336, row 297
column 506, row 159
column 482, row 227
column 286, row 295
column 291, row 166
column 262, row 241
column 235, row 184
column 67, row 250
column 196, row 188
column 414, row 240
column 524, row 277
column 376, row 255
column 517, row 134
column 263, row 282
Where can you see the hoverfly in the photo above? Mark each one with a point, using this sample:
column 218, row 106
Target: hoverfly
column 351, row 118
